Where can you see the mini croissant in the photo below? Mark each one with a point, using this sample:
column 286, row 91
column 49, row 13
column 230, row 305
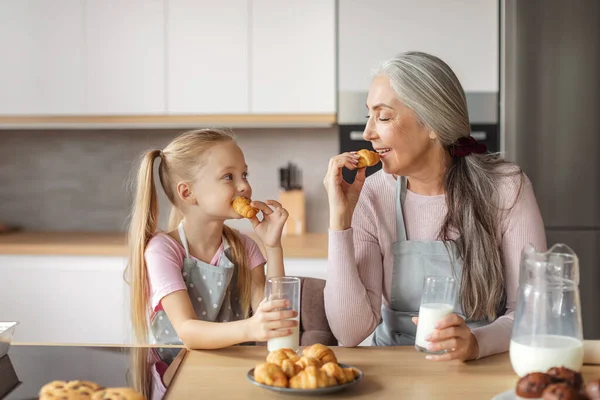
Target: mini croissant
column 290, row 368
column 305, row 362
column 321, row 352
column 278, row 356
column 312, row 378
column 367, row 158
column 341, row 375
column 241, row 205
column 270, row 374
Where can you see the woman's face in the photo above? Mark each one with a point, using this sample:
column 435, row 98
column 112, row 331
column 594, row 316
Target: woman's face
column 405, row 145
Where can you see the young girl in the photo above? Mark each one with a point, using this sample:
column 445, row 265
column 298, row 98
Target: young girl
column 199, row 283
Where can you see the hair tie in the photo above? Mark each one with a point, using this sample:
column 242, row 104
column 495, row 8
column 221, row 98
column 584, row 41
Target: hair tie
column 467, row 145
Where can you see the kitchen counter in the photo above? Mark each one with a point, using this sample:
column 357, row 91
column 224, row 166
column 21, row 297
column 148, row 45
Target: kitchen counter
column 311, row 245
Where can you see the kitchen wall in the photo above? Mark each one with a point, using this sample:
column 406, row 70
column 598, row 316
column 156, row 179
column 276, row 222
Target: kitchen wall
column 77, row 180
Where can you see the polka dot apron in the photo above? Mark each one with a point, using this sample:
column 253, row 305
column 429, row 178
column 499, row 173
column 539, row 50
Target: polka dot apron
column 212, row 290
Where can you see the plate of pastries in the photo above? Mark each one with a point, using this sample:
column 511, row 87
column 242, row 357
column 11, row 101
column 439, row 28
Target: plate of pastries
column 558, row 383
column 85, row 390
column 317, row 371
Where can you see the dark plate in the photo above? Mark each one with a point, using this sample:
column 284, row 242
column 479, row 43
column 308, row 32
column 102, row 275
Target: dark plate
column 309, row 392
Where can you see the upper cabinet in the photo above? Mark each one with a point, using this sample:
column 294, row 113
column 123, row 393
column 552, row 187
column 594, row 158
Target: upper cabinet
column 293, row 56
column 42, row 44
column 463, row 33
column 207, row 57
column 125, row 57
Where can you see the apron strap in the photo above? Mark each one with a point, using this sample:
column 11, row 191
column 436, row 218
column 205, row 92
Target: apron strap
column 183, row 239
column 400, row 196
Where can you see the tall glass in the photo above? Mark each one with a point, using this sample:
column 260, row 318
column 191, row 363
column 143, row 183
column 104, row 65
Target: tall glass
column 547, row 330
column 437, row 302
column 285, row 288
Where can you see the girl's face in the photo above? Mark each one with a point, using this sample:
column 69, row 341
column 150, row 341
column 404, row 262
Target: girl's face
column 223, row 177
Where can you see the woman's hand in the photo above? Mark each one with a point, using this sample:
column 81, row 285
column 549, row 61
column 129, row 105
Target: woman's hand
column 342, row 195
column 268, row 323
column 270, row 228
column 453, row 335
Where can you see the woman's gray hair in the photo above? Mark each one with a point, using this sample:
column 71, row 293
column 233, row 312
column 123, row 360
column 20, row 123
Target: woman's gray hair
column 429, row 87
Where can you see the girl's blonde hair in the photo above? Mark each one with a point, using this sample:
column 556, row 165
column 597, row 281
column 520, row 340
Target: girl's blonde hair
column 180, row 161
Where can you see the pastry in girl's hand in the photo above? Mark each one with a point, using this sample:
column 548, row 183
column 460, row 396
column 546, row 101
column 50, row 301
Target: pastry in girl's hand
column 341, row 375
column 290, row 368
column 312, row 378
column 367, row 158
column 118, row 394
column 270, row 374
column 68, row 390
column 321, row 353
column 304, row 362
column 241, row 205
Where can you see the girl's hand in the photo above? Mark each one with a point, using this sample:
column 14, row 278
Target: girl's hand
column 453, row 335
column 269, row 229
column 268, row 323
column 342, row 196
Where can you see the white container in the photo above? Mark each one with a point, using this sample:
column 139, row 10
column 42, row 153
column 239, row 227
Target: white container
column 7, row 330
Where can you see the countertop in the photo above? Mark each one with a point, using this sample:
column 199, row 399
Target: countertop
column 311, row 245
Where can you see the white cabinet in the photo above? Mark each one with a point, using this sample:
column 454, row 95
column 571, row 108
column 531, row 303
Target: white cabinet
column 65, row 299
column 293, row 56
column 207, row 56
column 464, row 33
column 125, row 57
column 42, row 44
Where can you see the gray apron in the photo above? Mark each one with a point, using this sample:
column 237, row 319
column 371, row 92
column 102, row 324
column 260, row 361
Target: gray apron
column 212, row 290
column 413, row 260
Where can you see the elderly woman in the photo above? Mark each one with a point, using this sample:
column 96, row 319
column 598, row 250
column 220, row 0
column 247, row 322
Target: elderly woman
column 440, row 206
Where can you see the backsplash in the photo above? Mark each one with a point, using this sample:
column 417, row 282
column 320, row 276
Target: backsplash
column 78, row 180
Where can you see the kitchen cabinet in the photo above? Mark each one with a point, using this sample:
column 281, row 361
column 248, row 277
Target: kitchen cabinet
column 293, row 56
column 65, row 299
column 124, row 57
column 207, row 57
column 464, row 33
column 41, row 71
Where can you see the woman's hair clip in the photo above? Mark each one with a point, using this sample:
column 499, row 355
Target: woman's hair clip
column 467, row 145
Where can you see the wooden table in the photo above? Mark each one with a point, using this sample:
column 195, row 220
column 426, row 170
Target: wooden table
column 390, row 373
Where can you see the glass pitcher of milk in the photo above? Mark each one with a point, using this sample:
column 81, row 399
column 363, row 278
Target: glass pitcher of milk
column 547, row 330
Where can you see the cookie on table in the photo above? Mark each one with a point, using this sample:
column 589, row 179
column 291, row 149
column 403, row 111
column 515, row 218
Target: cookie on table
column 532, row 385
column 118, row 394
column 561, row 374
column 560, row 391
column 592, row 389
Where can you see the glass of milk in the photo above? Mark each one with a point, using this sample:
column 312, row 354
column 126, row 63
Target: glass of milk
column 285, row 288
column 437, row 302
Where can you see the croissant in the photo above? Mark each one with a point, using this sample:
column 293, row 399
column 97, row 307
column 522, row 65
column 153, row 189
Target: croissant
column 312, row 378
column 241, row 205
column 280, row 355
column 290, row 368
column 321, row 352
column 270, row 374
column 367, row 158
column 341, row 375
column 305, row 362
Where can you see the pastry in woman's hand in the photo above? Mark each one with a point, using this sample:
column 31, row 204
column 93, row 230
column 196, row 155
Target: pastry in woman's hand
column 241, row 205
column 270, row 374
column 290, row 368
column 280, row 355
column 312, row 378
column 367, row 158
column 304, row 362
column 321, row 353
column 341, row 375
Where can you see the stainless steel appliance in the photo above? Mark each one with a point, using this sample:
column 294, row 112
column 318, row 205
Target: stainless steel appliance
column 550, row 119
column 483, row 114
